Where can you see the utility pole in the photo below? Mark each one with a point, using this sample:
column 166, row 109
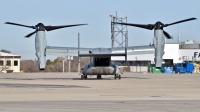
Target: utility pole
column 63, row 65
column 69, row 60
column 78, row 52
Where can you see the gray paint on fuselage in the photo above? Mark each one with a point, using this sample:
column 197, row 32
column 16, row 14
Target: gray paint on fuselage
column 89, row 69
column 40, row 46
column 159, row 44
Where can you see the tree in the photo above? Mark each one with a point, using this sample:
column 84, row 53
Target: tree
column 29, row 66
column 5, row 51
column 54, row 66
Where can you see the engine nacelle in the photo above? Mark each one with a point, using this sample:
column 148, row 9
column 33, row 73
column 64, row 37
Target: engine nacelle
column 159, row 44
column 40, row 47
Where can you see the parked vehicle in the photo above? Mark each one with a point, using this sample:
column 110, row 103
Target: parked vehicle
column 184, row 67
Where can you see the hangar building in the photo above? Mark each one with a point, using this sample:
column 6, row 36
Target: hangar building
column 174, row 53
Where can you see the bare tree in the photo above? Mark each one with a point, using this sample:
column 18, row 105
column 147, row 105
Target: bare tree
column 29, row 66
column 4, row 66
column 54, row 66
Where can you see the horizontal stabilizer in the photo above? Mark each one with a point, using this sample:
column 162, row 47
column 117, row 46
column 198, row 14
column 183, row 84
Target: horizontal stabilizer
column 70, row 51
column 102, row 55
column 118, row 51
column 136, row 50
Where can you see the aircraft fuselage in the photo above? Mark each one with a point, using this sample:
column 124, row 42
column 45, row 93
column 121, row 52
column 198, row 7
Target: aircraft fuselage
column 89, row 69
column 101, row 66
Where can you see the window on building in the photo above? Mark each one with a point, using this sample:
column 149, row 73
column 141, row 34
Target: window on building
column 15, row 63
column 8, row 63
column 1, row 62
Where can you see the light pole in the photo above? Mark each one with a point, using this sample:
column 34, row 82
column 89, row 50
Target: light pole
column 63, row 65
column 69, row 63
column 136, row 63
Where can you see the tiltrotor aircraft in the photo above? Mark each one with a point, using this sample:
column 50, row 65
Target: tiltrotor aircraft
column 159, row 37
column 100, row 61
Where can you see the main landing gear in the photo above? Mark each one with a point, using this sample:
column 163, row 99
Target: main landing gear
column 83, row 77
column 117, row 76
column 98, row 76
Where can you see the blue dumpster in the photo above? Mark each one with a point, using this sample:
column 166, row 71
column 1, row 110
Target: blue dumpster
column 167, row 69
column 185, row 67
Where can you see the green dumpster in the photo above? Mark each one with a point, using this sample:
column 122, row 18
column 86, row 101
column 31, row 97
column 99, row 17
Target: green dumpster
column 155, row 70
column 152, row 69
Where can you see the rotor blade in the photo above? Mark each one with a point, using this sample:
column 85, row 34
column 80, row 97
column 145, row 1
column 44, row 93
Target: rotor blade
column 145, row 26
column 180, row 21
column 49, row 28
column 30, row 34
column 167, row 35
column 20, row 25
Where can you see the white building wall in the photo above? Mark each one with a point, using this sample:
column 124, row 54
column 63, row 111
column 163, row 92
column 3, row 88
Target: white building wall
column 135, row 57
column 171, row 52
column 12, row 67
column 16, row 68
column 138, row 68
column 189, row 53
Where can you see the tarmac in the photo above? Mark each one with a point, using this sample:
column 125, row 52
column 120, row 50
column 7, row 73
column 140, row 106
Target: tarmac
column 135, row 92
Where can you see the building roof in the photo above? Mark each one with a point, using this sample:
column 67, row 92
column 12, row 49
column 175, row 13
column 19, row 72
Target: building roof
column 8, row 55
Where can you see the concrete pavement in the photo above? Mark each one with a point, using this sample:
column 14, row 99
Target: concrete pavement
column 22, row 92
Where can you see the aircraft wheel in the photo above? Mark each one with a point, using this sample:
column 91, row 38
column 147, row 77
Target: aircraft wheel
column 119, row 76
column 98, row 77
column 81, row 77
column 85, row 77
column 115, row 76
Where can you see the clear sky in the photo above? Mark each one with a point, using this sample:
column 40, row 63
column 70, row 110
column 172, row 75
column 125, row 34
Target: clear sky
column 96, row 14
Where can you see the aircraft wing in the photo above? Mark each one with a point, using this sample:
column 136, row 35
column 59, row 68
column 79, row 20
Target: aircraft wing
column 134, row 50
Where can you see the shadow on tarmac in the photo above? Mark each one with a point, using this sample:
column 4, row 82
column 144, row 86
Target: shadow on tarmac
column 89, row 78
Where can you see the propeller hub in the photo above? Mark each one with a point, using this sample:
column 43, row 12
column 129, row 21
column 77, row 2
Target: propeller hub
column 40, row 27
column 159, row 25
